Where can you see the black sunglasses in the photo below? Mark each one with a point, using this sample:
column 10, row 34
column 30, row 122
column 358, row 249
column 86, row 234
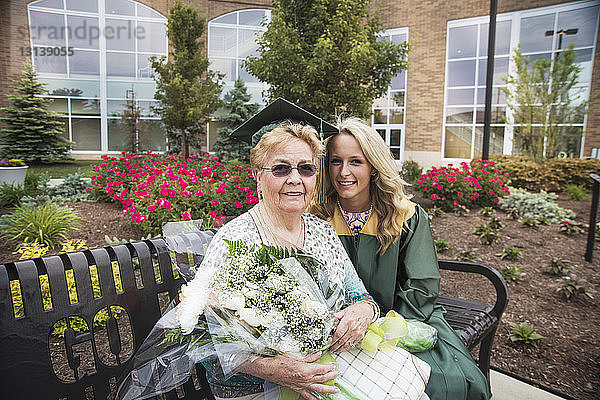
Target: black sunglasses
column 281, row 170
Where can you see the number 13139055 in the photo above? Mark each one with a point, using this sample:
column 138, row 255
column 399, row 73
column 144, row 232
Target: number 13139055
column 46, row 51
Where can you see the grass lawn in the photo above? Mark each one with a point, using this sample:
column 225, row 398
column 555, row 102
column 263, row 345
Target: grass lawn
column 61, row 170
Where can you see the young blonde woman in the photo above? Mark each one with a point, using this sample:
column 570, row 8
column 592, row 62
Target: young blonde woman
column 388, row 238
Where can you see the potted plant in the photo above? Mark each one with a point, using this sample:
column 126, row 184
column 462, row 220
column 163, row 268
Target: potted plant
column 13, row 171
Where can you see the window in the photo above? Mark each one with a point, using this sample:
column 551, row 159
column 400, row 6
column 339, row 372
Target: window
column 465, row 87
column 542, row 33
column 231, row 38
column 389, row 111
column 111, row 42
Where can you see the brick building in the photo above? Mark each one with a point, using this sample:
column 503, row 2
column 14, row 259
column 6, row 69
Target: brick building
column 433, row 113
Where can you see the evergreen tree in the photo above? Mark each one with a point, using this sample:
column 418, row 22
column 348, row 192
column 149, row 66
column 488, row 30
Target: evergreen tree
column 31, row 132
column 131, row 119
column 324, row 55
column 239, row 111
column 545, row 102
column 187, row 91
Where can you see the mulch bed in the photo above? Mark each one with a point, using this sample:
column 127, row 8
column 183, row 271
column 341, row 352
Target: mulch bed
column 567, row 359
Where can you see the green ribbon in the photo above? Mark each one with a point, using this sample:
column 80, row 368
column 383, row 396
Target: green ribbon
column 385, row 333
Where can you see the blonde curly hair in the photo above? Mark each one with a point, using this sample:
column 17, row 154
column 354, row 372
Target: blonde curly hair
column 387, row 187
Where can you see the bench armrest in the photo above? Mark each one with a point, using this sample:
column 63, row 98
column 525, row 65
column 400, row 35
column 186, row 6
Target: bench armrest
column 490, row 273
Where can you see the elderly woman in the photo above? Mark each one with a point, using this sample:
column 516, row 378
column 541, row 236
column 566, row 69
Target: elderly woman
column 389, row 241
column 284, row 163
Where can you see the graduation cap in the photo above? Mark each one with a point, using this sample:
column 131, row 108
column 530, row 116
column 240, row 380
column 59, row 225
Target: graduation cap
column 275, row 113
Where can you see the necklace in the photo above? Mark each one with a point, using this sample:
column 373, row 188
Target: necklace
column 277, row 236
column 356, row 221
column 352, row 212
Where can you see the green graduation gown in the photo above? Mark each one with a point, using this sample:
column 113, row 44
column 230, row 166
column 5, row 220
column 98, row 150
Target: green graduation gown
column 406, row 278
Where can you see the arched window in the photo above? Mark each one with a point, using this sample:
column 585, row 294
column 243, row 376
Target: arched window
column 92, row 55
column 231, row 38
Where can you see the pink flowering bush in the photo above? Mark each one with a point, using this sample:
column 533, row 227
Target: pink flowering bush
column 474, row 185
column 154, row 188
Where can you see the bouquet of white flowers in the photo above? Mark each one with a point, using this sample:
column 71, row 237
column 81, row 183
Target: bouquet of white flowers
column 261, row 300
column 265, row 298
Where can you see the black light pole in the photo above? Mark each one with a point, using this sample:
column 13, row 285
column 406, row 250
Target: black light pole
column 489, row 80
column 561, row 33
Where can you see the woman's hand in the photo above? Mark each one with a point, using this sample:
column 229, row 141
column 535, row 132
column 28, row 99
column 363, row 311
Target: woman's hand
column 353, row 324
column 300, row 375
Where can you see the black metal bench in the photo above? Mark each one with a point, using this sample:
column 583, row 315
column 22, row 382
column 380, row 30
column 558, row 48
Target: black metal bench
column 28, row 367
column 476, row 322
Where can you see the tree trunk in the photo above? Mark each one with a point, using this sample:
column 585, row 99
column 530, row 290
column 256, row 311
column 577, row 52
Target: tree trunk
column 185, row 148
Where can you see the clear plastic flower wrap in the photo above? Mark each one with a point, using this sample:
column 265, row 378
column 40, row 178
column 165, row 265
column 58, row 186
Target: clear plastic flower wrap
column 258, row 300
column 395, row 331
column 265, row 297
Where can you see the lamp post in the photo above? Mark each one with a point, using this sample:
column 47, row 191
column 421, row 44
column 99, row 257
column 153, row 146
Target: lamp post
column 489, row 80
column 562, row 33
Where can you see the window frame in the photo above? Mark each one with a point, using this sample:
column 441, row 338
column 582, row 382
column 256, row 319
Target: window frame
column 515, row 18
column 388, row 127
column 103, row 78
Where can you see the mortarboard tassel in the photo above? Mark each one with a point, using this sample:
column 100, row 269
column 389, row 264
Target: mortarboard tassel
column 319, row 197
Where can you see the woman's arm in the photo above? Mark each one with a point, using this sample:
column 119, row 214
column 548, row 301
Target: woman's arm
column 300, row 375
column 355, row 319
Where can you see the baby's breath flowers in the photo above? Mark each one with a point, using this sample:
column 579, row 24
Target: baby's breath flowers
column 268, row 290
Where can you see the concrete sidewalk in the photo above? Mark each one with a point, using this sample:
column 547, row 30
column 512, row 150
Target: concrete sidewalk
column 507, row 388
column 57, row 181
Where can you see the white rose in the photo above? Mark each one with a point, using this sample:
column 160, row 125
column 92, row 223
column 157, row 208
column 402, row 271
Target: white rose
column 250, row 316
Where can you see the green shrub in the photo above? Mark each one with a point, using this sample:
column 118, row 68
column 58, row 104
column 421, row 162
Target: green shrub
column 442, row 245
column 523, row 333
column 466, row 255
column 512, row 274
column 461, row 210
column 495, row 223
column 510, row 253
column 411, row 170
column 576, row 192
column 46, row 224
column 487, row 234
column 72, row 188
column 514, row 213
column 36, row 181
column 536, row 205
column 543, row 221
column 10, row 195
column 435, row 212
column 559, row 267
column 571, row 287
column 552, row 175
column 529, row 222
column 487, row 211
column 474, row 185
column 571, row 228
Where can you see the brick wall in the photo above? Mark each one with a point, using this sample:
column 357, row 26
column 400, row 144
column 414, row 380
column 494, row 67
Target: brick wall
column 592, row 138
column 14, row 35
